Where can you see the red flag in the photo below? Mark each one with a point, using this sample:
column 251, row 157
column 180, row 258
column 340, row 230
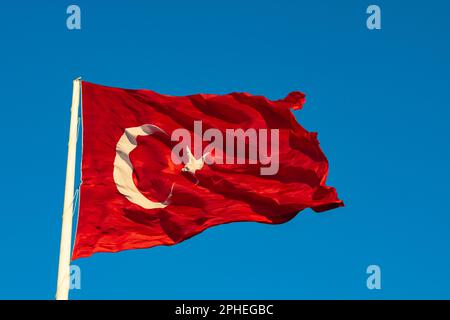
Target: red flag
column 159, row 169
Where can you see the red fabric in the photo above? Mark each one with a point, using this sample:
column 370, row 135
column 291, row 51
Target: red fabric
column 109, row 222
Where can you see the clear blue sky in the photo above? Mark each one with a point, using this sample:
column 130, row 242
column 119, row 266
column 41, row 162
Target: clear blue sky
column 379, row 100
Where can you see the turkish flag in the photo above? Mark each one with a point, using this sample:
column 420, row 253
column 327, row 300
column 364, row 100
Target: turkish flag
column 159, row 169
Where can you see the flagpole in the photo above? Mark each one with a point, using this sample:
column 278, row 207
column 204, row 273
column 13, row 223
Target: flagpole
column 63, row 284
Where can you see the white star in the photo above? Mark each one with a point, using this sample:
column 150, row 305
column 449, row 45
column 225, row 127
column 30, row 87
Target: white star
column 193, row 164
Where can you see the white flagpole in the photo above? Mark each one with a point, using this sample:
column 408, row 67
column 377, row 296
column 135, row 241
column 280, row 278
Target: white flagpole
column 62, row 290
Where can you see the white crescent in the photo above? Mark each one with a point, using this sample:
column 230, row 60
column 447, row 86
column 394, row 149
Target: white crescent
column 123, row 168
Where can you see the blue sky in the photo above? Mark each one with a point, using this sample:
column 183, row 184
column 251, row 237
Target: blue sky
column 379, row 100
